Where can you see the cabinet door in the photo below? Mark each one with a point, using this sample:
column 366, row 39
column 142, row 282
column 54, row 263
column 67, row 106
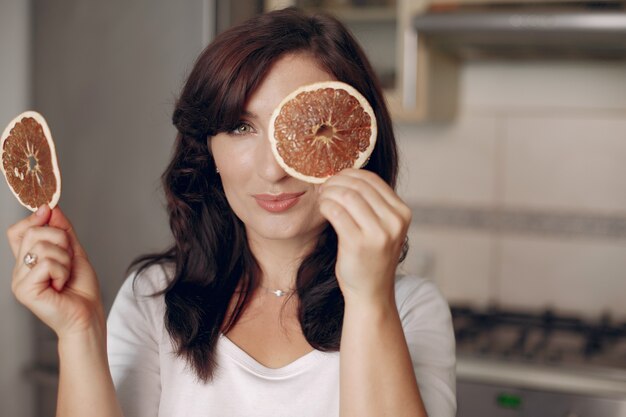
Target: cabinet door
column 372, row 22
column 419, row 83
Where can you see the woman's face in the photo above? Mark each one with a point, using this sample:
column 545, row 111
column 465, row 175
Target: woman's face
column 271, row 204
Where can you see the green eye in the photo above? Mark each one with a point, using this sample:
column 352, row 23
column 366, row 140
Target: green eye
column 242, row 129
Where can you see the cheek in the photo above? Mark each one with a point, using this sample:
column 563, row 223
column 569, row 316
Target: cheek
column 235, row 163
column 237, row 174
column 236, row 168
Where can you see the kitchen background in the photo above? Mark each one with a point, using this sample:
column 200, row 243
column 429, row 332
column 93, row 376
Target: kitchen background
column 519, row 198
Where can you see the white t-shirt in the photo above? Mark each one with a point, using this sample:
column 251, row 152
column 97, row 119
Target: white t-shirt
column 151, row 381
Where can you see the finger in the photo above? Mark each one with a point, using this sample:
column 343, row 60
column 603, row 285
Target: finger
column 381, row 186
column 393, row 219
column 16, row 232
column 355, row 205
column 379, row 204
column 44, row 275
column 339, row 218
column 383, row 189
column 34, row 235
column 46, row 250
column 58, row 220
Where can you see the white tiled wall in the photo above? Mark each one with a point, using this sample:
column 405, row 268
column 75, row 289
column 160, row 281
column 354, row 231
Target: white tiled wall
column 566, row 163
column 441, row 161
column 548, row 137
column 513, row 87
column 571, row 275
column 459, row 261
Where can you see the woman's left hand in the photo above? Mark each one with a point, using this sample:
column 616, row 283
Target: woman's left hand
column 371, row 223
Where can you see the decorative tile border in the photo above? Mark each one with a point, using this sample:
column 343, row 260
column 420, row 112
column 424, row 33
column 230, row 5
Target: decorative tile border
column 521, row 221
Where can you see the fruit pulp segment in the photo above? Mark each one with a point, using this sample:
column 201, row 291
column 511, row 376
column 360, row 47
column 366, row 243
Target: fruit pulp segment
column 318, row 154
column 34, row 185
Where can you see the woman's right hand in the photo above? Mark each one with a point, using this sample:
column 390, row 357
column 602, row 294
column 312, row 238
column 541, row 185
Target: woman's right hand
column 61, row 288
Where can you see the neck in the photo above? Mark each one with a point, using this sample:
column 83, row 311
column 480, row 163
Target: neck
column 279, row 259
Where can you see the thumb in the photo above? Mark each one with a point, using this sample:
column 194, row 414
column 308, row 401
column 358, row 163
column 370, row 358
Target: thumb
column 39, row 217
column 58, row 220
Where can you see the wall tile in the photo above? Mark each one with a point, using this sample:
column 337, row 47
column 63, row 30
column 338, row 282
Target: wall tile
column 458, row 261
column 532, row 139
column 453, row 163
column 565, row 163
column 575, row 276
column 540, row 84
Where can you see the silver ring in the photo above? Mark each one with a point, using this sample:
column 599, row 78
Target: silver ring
column 30, row 260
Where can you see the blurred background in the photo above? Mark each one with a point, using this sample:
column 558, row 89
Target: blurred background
column 511, row 118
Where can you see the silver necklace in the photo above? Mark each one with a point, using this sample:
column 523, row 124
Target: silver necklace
column 277, row 293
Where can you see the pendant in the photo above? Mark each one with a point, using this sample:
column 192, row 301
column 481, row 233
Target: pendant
column 278, row 293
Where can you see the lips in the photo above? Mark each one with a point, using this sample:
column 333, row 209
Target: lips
column 277, row 203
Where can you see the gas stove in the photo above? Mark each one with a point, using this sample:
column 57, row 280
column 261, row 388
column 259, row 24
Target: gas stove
column 514, row 363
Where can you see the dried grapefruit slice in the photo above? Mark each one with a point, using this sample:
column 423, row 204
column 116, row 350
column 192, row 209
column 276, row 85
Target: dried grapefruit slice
column 322, row 128
column 29, row 161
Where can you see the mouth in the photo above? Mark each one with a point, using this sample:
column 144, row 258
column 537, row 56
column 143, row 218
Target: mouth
column 277, row 203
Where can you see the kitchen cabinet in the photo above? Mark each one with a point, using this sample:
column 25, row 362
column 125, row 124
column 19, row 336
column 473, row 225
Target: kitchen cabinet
column 417, row 46
column 420, row 84
column 453, row 3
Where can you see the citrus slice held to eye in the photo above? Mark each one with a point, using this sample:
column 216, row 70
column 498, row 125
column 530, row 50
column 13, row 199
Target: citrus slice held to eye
column 29, row 161
column 322, row 128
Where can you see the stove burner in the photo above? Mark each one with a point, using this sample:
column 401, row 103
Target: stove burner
column 539, row 337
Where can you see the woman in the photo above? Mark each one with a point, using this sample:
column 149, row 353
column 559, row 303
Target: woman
column 278, row 297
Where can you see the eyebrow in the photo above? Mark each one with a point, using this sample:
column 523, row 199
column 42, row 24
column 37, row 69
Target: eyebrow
column 251, row 115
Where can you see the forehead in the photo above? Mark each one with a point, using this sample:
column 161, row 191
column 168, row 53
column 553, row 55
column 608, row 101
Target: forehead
column 285, row 75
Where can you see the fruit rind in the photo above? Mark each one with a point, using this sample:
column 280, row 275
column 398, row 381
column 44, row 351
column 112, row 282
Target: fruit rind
column 53, row 156
column 337, row 85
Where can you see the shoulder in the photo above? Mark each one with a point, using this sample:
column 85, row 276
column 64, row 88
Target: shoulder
column 143, row 285
column 140, row 296
column 149, row 281
column 427, row 326
column 418, row 297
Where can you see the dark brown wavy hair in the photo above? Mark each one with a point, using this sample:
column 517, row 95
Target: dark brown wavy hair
column 210, row 254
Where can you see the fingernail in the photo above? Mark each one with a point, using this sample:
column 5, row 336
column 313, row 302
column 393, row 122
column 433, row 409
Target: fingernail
column 41, row 210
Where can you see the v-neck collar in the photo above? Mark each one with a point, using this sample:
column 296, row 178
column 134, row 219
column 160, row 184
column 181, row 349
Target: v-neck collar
column 240, row 356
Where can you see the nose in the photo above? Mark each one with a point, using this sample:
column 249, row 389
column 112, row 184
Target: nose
column 268, row 167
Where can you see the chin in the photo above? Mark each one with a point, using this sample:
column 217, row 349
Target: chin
column 287, row 229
